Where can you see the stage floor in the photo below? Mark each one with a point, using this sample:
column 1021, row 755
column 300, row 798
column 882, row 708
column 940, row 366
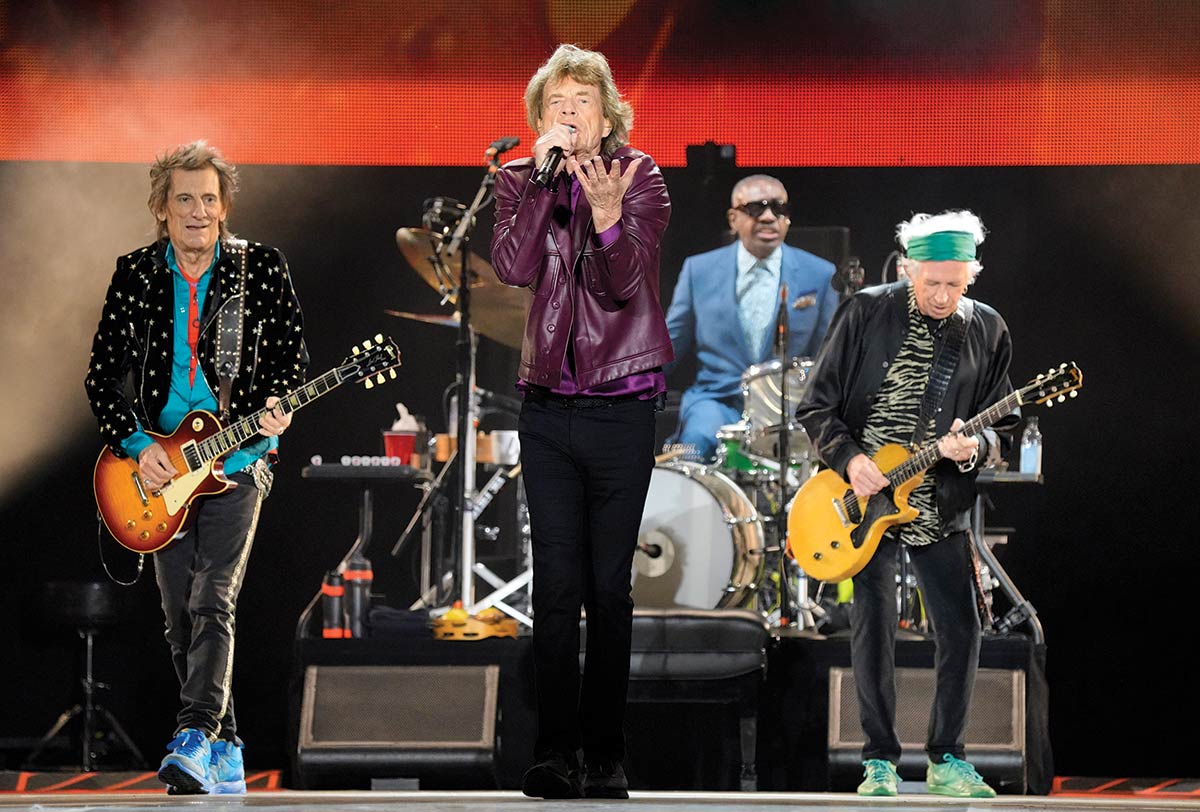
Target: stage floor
column 286, row 801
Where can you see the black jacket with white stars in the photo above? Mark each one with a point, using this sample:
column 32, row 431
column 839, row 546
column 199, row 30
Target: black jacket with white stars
column 136, row 333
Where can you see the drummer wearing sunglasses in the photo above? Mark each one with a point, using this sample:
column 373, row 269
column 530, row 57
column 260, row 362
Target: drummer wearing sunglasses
column 725, row 305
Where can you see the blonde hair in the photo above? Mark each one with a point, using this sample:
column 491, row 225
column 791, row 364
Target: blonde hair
column 190, row 157
column 588, row 68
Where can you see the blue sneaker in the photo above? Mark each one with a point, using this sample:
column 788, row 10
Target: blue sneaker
column 227, row 771
column 185, row 769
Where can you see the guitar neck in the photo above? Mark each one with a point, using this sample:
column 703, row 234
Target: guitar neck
column 242, row 430
column 928, row 455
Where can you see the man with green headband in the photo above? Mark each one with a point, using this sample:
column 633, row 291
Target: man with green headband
column 885, row 347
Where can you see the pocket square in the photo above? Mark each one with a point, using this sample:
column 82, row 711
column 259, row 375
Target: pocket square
column 806, row 299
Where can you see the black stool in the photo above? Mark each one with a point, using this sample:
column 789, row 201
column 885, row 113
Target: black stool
column 701, row 655
column 87, row 608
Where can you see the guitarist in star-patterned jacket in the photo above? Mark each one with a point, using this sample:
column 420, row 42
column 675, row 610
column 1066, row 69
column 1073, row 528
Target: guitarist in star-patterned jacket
column 164, row 309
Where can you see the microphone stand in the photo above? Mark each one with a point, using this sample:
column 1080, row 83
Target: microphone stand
column 467, row 409
column 786, row 616
column 468, row 418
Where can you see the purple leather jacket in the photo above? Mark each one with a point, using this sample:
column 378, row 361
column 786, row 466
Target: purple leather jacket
column 605, row 298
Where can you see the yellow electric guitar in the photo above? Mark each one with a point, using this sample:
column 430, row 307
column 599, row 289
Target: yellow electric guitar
column 832, row 533
column 144, row 520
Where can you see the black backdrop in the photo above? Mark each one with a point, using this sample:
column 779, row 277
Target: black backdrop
column 1084, row 263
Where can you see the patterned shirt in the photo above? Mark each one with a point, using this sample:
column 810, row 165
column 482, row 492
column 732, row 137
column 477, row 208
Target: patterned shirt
column 893, row 416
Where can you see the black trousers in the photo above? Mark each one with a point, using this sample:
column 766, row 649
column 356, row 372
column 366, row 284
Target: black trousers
column 586, row 471
column 199, row 577
column 945, row 572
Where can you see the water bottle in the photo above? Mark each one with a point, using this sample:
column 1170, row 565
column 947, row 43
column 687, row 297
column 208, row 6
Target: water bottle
column 358, row 577
column 333, row 593
column 1031, row 448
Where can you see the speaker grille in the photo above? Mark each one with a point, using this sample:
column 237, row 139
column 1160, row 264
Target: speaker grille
column 996, row 721
column 399, row 707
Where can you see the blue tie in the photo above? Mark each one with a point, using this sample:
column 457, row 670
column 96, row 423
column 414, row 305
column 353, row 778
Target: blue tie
column 756, row 299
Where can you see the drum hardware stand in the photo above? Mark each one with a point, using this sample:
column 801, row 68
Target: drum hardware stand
column 1022, row 611
column 907, row 594
column 468, row 416
column 432, row 500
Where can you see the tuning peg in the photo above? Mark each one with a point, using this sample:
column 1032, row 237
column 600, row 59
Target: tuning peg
column 392, row 375
column 381, row 378
column 378, row 338
column 1074, row 393
column 1062, row 398
column 368, row 383
column 1050, row 403
column 367, row 344
column 354, row 349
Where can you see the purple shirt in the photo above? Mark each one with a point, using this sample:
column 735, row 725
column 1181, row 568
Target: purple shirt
column 644, row 385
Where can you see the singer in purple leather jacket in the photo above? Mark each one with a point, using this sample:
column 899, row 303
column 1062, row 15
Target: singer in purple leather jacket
column 580, row 225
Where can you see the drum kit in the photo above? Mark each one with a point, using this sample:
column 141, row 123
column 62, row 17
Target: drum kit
column 709, row 533
column 710, row 536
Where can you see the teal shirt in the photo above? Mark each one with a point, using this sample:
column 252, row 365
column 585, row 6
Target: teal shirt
column 187, row 396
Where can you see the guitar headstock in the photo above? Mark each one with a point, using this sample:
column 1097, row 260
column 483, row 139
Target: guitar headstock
column 1060, row 383
column 373, row 363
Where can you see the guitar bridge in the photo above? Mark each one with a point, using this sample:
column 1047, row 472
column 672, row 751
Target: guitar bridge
column 840, row 509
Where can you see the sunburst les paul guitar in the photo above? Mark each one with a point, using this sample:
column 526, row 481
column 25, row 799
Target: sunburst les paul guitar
column 144, row 520
column 832, row 533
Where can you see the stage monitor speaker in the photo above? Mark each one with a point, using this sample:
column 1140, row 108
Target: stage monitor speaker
column 433, row 723
column 995, row 737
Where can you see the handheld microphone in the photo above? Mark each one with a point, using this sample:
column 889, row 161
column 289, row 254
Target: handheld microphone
column 549, row 167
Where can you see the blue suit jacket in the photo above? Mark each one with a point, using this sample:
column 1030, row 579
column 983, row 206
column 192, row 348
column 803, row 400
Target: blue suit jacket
column 704, row 316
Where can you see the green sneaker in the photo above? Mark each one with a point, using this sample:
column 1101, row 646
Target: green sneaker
column 879, row 778
column 956, row 778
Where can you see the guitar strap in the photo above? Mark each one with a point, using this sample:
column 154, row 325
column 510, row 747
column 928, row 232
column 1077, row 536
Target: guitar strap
column 945, row 361
column 229, row 335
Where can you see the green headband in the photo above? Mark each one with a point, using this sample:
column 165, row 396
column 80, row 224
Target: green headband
column 942, row 245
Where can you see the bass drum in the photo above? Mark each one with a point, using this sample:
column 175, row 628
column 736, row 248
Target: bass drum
column 701, row 541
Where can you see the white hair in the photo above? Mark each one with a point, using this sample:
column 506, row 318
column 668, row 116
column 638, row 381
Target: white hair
column 922, row 225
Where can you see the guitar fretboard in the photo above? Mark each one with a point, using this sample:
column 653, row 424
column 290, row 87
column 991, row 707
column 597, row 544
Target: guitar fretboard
column 239, row 432
column 929, row 454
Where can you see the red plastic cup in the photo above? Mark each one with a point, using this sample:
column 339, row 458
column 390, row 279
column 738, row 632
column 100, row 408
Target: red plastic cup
column 400, row 444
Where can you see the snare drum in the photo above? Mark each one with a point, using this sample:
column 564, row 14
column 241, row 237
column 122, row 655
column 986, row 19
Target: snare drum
column 700, row 544
column 763, row 409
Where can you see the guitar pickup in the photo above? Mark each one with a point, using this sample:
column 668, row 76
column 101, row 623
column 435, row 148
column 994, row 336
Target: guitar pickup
column 191, row 454
column 137, row 483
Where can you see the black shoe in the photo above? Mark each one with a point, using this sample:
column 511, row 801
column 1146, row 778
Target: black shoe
column 554, row 775
column 605, row 779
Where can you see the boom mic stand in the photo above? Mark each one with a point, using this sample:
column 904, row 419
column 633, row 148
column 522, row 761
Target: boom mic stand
column 468, row 411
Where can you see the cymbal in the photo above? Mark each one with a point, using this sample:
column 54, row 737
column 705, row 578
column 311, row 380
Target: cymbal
column 497, row 311
column 429, row 318
column 419, row 247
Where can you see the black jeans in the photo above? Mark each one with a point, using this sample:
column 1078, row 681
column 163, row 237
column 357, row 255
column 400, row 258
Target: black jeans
column 199, row 577
column 587, row 471
column 945, row 573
